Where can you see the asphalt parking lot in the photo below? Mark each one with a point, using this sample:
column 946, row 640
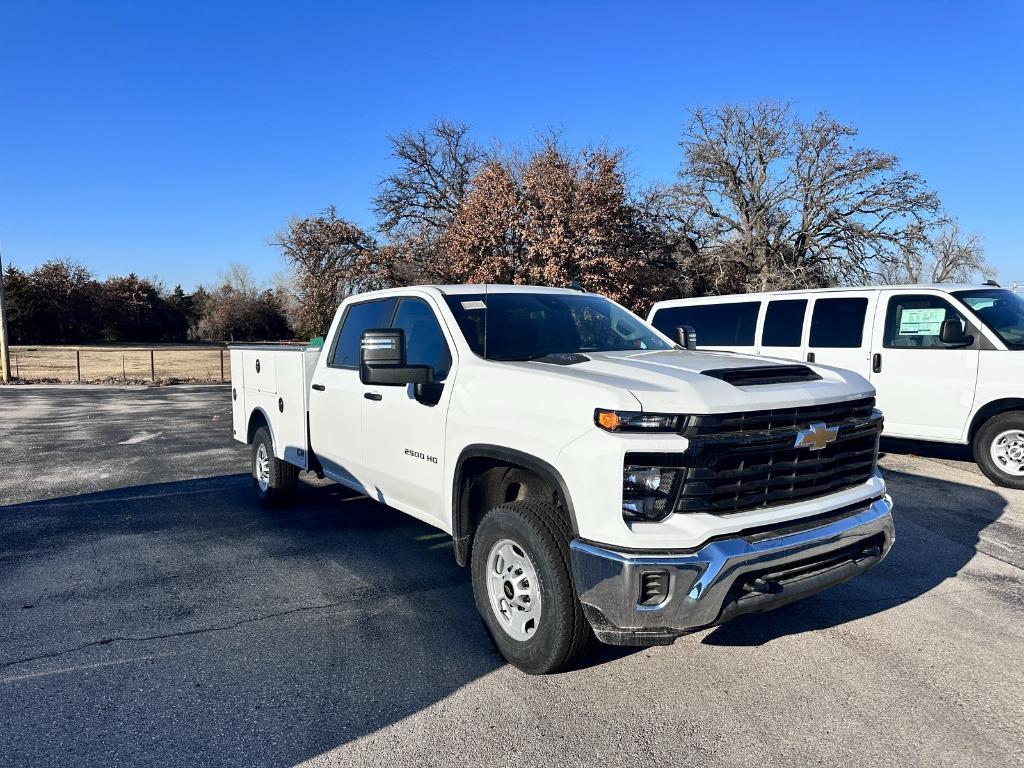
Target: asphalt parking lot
column 151, row 612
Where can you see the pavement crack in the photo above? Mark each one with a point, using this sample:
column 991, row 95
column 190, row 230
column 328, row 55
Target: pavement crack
column 172, row 635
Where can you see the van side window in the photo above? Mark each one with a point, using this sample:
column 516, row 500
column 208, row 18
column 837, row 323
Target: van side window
column 358, row 318
column 838, row 323
column 425, row 343
column 784, row 323
column 913, row 322
column 729, row 324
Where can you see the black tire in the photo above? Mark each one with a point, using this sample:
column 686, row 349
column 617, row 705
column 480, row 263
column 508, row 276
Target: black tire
column 562, row 633
column 989, row 433
column 282, row 477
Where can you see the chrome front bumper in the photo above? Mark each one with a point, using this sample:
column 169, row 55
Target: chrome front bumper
column 751, row 572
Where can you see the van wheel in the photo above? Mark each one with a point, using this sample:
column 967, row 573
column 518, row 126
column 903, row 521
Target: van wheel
column 999, row 449
column 523, row 586
column 275, row 480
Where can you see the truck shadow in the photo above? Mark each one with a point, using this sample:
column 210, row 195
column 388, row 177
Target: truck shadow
column 229, row 633
column 938, row 530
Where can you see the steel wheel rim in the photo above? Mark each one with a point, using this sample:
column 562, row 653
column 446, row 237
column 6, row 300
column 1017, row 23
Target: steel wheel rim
column 1007, row 451
column 262, row 469
column 513, row 589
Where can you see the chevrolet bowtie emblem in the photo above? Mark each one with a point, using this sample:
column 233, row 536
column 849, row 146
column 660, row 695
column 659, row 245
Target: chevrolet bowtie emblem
column 816, row 437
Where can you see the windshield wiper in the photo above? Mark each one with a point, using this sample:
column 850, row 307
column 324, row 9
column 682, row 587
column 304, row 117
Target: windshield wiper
column 520, row 358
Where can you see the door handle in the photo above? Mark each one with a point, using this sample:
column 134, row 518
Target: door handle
column 876, row 362
column 810, row 357
column 319, row 387
column 375, row 396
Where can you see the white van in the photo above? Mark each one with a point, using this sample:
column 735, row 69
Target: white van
column 947, row 360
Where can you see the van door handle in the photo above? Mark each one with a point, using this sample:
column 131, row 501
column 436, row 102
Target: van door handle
column 319, row 387
column 876, row 362
column 810, row 357
column 375, row 396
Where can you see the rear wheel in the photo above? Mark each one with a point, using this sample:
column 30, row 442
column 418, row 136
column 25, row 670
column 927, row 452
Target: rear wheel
column 523, row 586
column 999, row 449
column 275, row 480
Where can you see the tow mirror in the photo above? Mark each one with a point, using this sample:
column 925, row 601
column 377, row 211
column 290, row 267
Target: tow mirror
column 382, row 360
column 686, row 337
column 951, row 332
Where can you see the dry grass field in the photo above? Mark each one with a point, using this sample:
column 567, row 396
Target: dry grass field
column 117, row 363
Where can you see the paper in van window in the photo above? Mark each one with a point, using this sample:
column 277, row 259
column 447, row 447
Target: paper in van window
column 921, row 322
column 477, row 304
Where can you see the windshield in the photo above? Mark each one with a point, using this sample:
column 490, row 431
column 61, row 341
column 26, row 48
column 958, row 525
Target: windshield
column 1001, row 310
column 526, row 326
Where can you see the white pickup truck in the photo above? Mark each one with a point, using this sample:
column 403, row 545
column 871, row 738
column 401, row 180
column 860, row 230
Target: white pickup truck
column 597, row 477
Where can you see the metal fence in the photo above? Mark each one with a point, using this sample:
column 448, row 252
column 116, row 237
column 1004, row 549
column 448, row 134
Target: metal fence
column 120, row 364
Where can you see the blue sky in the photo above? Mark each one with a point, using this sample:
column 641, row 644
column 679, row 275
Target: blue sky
column 175, row 138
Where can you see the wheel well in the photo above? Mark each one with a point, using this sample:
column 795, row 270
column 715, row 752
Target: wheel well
column 994, row 408
column 257, row 419
column 484, row 482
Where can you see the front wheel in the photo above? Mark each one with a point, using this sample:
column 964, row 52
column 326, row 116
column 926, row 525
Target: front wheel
column 274, row 480
column 523, row 586
column 999, row 449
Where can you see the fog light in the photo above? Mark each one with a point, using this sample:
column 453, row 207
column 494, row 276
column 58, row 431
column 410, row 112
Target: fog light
column 653, row 588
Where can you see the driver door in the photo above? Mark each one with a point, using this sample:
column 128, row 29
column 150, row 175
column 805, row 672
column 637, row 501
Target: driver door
column 403, row 437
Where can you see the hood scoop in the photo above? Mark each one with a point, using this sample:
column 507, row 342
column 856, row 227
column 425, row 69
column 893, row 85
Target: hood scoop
column 758, row 375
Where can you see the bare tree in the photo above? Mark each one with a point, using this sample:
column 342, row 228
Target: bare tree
column 952, row 257
column 958, row 258
column 777, row 202
column 416, row 203
column 237, row 309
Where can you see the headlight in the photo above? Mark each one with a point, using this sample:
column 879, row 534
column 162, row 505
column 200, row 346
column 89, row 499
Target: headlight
column 649, row 492
column 637, row 421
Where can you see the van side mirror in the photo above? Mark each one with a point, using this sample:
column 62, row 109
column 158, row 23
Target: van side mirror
column 686, row 336
column 951, row 332
column 382, row 360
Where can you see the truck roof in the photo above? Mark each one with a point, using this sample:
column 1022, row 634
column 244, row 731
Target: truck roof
column 448, row 290
column 499, row 288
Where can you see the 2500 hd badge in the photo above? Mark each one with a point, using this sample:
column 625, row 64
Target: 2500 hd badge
column 420, row 455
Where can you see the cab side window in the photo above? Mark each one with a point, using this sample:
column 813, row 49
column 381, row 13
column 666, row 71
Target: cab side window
column 784, row 323
column 838, row 323
column 424, row 340
column 914, row 322
column 358, row 318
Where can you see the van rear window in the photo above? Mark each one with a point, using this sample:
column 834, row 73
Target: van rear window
column 784, row 323
column 729, row 324
column 838, row 323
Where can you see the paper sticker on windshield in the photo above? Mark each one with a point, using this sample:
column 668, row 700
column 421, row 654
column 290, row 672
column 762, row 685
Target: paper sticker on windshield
column 921, row 322
column 473, row 304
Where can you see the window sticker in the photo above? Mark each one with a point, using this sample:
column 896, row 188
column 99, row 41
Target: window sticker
column 921, row 322
column 473, row 304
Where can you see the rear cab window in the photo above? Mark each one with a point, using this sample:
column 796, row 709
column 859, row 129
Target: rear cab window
column 838, row 323
column 725, row 324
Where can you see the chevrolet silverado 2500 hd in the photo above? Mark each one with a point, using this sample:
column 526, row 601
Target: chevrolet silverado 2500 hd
column 596, row 477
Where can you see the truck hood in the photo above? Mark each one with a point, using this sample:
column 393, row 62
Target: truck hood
column 678, row 381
